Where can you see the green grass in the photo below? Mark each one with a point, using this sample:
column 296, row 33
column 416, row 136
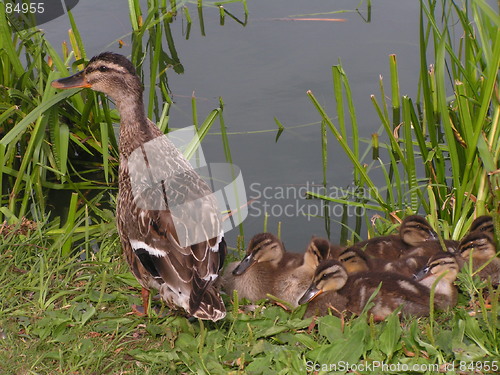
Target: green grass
column 66, row 291
column 62, row 314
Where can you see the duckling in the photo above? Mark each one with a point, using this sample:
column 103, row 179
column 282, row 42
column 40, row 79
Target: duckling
column 479, row 247
column 412, row 232
column 254, row 276
column 184, row 273
column 422, row 238
column 317, row 250
column 323, row 293
column 292, row 282
column 332, row 286
column 429, row 248
column 415, row 229
column 483, row 224
column 446, row 264
column 408, row 265
column 355, row 260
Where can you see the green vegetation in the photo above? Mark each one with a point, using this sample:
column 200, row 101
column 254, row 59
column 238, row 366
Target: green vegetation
column 451, row 130
column 62, row 314
column 66, row 292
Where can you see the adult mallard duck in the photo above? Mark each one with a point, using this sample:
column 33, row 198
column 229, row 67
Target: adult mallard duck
column 157, row 253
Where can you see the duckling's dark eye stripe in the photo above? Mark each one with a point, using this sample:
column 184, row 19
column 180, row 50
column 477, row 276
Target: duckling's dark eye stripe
column 329, row 274
column 260, row 245
column 442, row 263
column 487, row 228
column 346, row 251
column 348, row 258
column 468, row 247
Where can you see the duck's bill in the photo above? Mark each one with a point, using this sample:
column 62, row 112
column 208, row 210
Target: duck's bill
column 433, row 236
column 310, row 294
column 74, row 81
column 421, row 274
column 244, row 265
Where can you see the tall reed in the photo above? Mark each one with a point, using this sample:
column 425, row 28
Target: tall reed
column 63, row 144
column 442, row 148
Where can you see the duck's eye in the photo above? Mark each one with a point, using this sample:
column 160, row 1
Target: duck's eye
column 103, row 68
column 327, row 276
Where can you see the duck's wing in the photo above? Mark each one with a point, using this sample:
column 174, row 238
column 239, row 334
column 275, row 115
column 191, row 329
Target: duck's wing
column 174, row 228
column 185, row 275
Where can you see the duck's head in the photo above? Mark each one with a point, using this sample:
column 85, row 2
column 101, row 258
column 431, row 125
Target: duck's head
column 483, row 224
column 317, row 251
column 354, row 260
column 330, row 275
column 110, row 73
column 437, row 265
column 478, row 245
column 415, row 229
column 263, row 247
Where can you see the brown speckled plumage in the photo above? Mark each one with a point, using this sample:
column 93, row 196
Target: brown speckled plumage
column 332, row 286
column 254, row 277
column 185, row 276
column 291, row 283
column 413, row 231
column 478, row 247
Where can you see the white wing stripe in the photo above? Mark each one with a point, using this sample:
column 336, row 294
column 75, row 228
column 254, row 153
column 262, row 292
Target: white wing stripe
column 151, row 250
column 215, row 248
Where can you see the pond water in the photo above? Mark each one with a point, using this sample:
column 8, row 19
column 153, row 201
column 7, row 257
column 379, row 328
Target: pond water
column 262, row 70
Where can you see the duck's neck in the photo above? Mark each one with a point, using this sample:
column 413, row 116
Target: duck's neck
column 135, row 128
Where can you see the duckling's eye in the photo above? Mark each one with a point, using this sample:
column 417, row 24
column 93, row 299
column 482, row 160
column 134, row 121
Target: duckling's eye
column 327, row 276
column 103, row 68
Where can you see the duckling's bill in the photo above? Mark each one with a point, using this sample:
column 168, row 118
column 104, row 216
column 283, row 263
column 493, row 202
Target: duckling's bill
column 311, row 293
column 422, row 274
column 74, row 81
column 244, row 265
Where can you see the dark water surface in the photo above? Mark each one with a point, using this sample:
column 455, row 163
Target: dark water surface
column 263, row 70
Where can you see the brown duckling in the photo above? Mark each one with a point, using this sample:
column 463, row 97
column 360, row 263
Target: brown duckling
column 483, row 224
column 355, row 260
column 254, row 276
column 413, row 231
column 292, row 282
column 478, row 247
column 445, row 264
column 423, row 240
column 332, row 287
column 323, row 293
column 408, row 265
column 432, row 247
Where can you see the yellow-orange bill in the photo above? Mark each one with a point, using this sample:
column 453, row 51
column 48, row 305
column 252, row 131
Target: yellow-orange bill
column 74, row 81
